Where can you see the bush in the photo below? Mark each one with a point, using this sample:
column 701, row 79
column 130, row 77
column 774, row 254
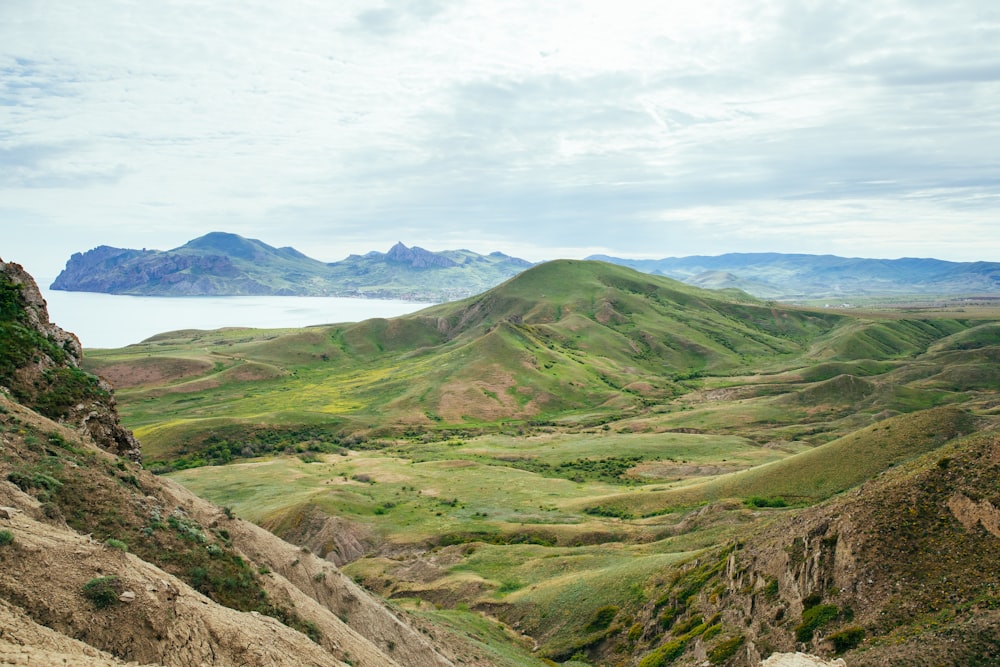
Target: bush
column 847, row 639
column 813, row 619
column 66, row 388
column 116, row 544
column 609, row 511
column 27, row 480
column 602, row 618
column 665, row 654
column 685, row 626
column 725, row 650
column 6, row 538
column 760, row 501
column 103, row 591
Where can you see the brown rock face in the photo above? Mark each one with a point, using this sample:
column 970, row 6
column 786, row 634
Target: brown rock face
column 40, row 366
column 36, row 310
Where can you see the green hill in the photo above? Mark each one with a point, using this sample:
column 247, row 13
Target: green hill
column 562, row 339
column 589, row 455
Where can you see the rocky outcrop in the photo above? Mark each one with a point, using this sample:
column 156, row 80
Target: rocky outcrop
column 972, row 513
column 28, row 307
column 336, row 539
column 800, row 660
column 40, row 367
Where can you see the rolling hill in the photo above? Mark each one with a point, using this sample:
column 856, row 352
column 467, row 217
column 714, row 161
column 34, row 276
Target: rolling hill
column 626, row 469
column 222, row 264
column 563, row 338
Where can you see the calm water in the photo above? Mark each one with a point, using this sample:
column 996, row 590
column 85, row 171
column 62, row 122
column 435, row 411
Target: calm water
column 105, row 320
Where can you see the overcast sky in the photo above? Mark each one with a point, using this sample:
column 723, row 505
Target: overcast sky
column 542, row 129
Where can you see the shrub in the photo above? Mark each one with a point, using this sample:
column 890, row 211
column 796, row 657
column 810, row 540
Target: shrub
column 602, row 618
column 6, row 538
column 687, row 625
column 811, row 600
column 103, row 591
column 760, row 501
column 67, row 387
column 813, row 619
column 115, row 544
column 725, row 650
column 847, row 639
column 27, row 480
column 665, row 654
column 609, row 511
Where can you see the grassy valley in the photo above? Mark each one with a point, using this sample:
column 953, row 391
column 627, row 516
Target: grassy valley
column 579, row 454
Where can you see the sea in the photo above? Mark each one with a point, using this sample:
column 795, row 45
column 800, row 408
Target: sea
column 110, row 321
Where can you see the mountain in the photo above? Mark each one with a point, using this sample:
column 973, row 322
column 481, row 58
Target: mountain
column 415, row 273
column 105, row 563
column 798, row 276
column 222, row 264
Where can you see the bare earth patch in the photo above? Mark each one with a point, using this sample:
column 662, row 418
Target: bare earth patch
column 142, row 372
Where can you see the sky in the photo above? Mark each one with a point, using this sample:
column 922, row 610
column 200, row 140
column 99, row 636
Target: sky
column 542, row 129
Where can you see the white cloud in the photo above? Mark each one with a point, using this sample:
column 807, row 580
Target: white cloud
column 636, row 127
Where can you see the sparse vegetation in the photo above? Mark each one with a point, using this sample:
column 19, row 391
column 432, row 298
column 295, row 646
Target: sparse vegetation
column 718, row 654
column 847, row 639
column 813, row 619
column 103, row 591
column 602, row 618
column 6, row 537
column 759, row 501
column 112, row 543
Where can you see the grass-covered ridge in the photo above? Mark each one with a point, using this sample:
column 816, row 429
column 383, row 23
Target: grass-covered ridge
column 564, row 338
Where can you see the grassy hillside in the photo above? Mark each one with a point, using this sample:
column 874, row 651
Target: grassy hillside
column 562, row 339
column 567, row 452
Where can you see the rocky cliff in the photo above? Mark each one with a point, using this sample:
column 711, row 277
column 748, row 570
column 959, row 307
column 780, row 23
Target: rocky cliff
column 102, row 562
column 40, row 367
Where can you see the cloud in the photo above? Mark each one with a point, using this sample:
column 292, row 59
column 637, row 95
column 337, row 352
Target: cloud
column 581, row 123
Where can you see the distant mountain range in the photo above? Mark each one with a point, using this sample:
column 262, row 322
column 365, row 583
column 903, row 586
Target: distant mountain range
column 793, row 276
column 222, row 264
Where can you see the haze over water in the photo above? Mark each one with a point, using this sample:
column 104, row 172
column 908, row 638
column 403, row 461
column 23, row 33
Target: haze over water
column 108, row 320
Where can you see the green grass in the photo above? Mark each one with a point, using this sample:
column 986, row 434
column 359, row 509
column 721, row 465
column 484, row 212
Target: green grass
column 823, row 471
column 606, row 337
column 492, row 639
